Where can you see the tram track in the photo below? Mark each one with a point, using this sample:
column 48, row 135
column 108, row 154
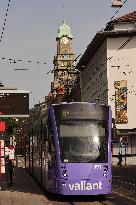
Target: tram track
column 125, row 185
column 125, row 188
column 116, row 198
column 124, row 179
column 125, row 196
column 80, row 200
column 122, row 191
column 76, row 200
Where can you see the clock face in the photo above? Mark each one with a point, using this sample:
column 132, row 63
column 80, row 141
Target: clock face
column 64, row 40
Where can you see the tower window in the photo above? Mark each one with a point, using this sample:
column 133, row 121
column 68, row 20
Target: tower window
column 62, row 64
column 65, row 52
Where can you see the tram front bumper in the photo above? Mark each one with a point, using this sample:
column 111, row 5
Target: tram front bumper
column 83, row 187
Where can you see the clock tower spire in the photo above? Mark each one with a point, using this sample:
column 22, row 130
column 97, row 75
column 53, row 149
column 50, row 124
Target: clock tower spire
column 64, row 60
column 64, row 39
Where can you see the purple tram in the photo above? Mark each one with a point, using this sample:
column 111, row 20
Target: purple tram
column 70, row 153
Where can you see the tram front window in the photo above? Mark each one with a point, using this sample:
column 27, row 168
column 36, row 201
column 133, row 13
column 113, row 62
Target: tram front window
column 83, row 141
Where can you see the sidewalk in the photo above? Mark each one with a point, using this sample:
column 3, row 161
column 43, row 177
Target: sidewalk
column 24, row 190
column 130, row 161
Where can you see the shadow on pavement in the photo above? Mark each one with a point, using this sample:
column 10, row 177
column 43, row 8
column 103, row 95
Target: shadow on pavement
column 72, row 198
column 22, row 182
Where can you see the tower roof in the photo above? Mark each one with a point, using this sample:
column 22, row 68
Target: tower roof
column 64, row 30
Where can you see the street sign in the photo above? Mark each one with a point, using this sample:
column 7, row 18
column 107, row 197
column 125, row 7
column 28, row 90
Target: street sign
column 124, row 140
column 14, row 103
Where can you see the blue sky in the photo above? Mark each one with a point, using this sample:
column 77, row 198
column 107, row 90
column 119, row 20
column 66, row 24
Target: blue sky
column 30, row 34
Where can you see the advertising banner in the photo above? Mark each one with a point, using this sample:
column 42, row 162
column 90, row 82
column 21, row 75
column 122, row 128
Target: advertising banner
column 10, row 151
column 121, row 101
column 2, row 159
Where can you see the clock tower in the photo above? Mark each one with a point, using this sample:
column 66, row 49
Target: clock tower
column 64, row 60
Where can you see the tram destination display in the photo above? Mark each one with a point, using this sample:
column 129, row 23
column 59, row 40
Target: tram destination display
column 78, row 110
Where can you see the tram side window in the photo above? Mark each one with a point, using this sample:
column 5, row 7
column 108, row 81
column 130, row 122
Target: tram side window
column 51, row 147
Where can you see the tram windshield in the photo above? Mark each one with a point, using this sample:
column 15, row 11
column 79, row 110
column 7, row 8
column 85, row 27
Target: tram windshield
column 83, row 141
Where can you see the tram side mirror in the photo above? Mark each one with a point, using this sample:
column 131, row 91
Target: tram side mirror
column 114, row 130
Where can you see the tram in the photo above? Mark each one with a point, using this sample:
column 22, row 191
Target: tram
column 69, row 150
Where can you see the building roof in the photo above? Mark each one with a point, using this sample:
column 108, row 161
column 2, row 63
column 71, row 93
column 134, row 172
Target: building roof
column 64, row 30
column 101, row 36
column 130, row 17
column 98, row 39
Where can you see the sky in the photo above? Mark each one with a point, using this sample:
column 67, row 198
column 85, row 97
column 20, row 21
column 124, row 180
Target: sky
column 29, row 37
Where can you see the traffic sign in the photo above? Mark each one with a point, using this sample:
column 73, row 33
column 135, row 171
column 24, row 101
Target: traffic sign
column 124, row 140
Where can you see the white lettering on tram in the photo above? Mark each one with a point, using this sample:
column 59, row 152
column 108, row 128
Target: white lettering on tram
column 83, row 185
column 97, row 166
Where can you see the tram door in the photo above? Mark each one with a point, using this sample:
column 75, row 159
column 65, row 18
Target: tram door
column 51, row 160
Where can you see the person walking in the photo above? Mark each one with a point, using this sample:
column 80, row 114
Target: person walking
column 120, row 159
column 9, row 170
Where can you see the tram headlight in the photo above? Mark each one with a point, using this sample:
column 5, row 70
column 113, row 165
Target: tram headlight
column 105, row 170
column 104, row 173
column 96, row 140
column 64, row 173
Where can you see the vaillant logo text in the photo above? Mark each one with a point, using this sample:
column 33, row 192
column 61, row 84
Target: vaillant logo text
column 83, row 185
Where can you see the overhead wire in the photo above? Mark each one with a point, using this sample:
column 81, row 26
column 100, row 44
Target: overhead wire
column 5, row 20
column 114, row 15
column 29, row 61
column 120, row 48
column 14, row 61
column 11, row 60
column 1, row 37
column 123, row 45
column 52, row 70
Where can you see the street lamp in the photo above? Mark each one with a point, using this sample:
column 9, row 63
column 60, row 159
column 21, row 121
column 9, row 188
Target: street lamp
column 117, row 3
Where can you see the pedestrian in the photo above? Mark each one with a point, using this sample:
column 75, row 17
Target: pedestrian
column 9, row 170
column 120, row 159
